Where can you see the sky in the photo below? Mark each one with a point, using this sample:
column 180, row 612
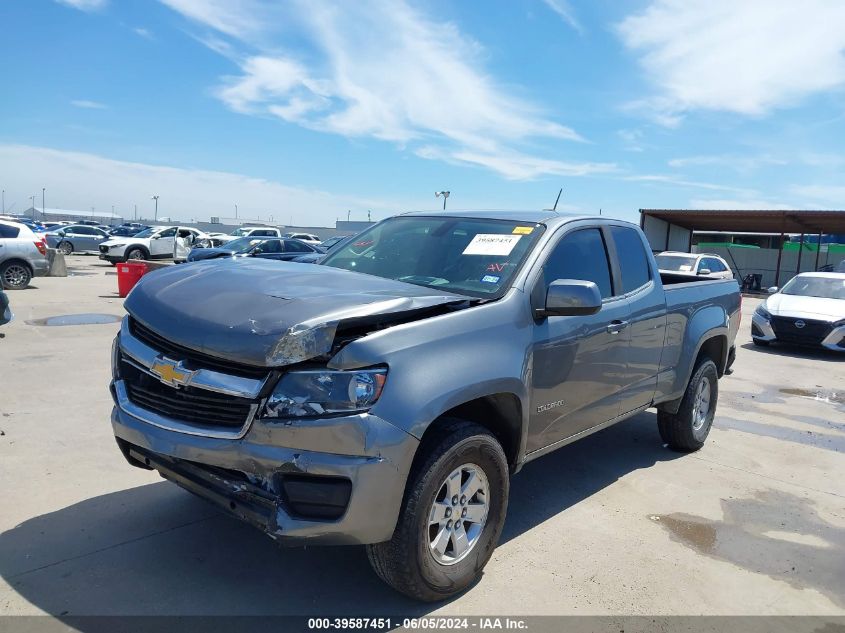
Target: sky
column 305, row 112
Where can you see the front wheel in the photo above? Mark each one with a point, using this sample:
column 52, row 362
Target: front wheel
column 686, row 430
column 760, row 342
column 452, row 516
column 66, row 248
column 136, row 254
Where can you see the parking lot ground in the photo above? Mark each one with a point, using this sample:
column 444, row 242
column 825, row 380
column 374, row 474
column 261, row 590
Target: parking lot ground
column 615, row 524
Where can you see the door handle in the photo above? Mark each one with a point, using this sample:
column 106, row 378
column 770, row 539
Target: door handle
column 614, row 327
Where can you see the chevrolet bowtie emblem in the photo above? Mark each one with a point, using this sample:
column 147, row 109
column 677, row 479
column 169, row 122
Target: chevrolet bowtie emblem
column 171, row 372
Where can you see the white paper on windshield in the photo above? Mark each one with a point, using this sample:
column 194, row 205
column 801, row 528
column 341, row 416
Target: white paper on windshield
column 491, row 244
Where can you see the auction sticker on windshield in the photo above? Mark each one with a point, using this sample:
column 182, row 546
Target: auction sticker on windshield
column 491, row 244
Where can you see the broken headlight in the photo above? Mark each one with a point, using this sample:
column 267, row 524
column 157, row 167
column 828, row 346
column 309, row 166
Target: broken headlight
column 312, row 393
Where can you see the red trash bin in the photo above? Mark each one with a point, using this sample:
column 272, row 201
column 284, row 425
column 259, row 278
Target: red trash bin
column 128, row 275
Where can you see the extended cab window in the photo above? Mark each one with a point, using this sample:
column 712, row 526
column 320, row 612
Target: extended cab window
column 633, row 262
column 468, row 256
column 580, row 255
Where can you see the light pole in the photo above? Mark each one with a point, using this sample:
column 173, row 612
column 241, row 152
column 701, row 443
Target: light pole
column 32, row 204
column 236, row 212
column 43, row 208
column 156, row 199
column 4, row 201
column 445, row 195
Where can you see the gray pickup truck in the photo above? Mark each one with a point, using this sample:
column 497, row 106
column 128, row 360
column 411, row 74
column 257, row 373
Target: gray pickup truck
column 384, row 396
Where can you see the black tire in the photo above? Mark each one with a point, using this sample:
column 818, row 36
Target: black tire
column 66, row 248
column 406, row 562
column 136, row 254
column 15, row 275
column 760, row 343
column 679, row 430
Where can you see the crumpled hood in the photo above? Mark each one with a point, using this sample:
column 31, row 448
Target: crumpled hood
column 818, row 308
column 268, row 313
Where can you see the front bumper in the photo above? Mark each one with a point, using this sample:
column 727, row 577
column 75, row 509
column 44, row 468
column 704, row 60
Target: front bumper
column 245, row 476
column 762, row 330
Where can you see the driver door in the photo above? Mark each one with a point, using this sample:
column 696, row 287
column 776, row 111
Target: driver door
column 161, row 244
column 578, row 362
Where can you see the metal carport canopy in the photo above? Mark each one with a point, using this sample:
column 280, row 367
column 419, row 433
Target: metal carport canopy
column 752, row 221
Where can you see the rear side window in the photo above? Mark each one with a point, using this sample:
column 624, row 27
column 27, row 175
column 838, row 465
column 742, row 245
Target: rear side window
column 633, row 263
column 9, row 231
column 292, row 246
column 263, row 233
column 580, row 255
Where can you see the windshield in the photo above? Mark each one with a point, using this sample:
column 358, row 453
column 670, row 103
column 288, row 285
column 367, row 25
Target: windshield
column 244, row 244
column 476, row 257
column 145, row 233
column 826, row 287
column 676, row 263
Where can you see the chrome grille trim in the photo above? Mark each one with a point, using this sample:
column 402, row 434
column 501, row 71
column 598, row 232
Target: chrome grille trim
column 207, row 379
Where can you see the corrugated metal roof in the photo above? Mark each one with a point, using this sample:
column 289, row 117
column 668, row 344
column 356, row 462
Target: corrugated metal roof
column 759, row 220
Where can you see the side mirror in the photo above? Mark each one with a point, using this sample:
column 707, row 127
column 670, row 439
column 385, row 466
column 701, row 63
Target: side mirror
column 772, row 290
column 571, row 297
column 704, row 271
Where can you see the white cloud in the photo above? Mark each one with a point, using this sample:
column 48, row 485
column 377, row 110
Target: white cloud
column 89, row 105
column 513, row 165
column 145, row 33
column 732, row 161
column 633, row 139
column 84, row 5
column 675, row 180
column 826, row 193
column 378, row 69
column 746, row 57
column 740, row 205
column 564, row 10
column 79, row 181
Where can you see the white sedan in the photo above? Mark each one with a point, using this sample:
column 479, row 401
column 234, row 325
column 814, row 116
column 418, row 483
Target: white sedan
column 809, row 310
column 156, row 242
column 695, row 264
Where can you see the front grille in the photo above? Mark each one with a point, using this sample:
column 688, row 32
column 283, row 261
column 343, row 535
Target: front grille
column 812, row 333
column 198, row 407
column 178, row 352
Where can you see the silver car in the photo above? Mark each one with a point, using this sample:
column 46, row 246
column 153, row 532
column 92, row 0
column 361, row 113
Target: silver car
column 76, row 238
column 23, row 255
column 809, row 310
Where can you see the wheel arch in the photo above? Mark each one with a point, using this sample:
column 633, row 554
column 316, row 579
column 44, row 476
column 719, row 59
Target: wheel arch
column 500, row 413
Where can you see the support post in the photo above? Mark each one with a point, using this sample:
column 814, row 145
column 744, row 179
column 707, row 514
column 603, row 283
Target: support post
column 818, row 250
column 800, row 251
column 777, row 268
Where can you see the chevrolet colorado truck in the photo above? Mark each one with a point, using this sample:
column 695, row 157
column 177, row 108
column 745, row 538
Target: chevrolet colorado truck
column 385, row 396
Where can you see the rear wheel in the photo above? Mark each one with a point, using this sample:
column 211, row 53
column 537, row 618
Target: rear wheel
column 15, row 275
column 136, row 254
column 452, row 517
column 66, row 248
column 686, row 430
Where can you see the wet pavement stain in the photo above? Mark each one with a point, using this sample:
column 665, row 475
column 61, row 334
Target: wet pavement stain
column 828, row 441
column 76, row 319
column 690, row 530
column 830, row 396
column 754, row 534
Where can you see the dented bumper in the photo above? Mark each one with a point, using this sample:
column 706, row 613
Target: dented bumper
column 251, row 477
